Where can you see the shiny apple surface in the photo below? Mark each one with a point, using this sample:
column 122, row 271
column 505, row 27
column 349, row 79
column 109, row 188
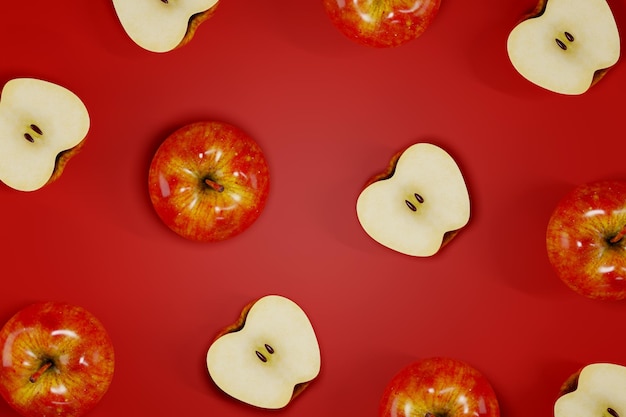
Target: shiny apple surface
column 586, row 240
column 382, row 23
column 57, row 360
column 209, row 181
column 439, row 387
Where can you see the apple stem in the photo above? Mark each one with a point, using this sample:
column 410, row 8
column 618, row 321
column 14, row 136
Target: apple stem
column 619, row 236
column 43, row 368
column 217, row 187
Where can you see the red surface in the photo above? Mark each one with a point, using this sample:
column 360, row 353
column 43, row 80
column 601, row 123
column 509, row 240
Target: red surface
column 329, row 113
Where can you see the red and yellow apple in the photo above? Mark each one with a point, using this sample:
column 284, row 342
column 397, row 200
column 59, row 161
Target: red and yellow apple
column 209, row 181
column 268, row 356
column 439, row 386
column 42, row 126
column 382, row 23
column 57, row 360
column 586, row 240
column 418, row 204
column 162, row 25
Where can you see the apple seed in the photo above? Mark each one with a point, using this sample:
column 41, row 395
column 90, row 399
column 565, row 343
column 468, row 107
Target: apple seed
column 164, row 1
column 412, row 206
column 561, row 44
column 36, row 129
column 43, row 368
column 261, row 356
column 29, row 138
column 612, row 412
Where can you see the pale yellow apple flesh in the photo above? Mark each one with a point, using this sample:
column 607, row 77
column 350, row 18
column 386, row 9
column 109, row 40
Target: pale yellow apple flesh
column 38, row 121
column 265, row 360
column 425, row 198
column 600, row 392
column 159, row 25
column 564, row 48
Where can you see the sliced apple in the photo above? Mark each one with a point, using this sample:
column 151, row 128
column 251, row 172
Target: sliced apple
column 566, row 46
column 597, row 390
column 268, row 356
column 418, row 204
column 42, row 125
column 162, row 25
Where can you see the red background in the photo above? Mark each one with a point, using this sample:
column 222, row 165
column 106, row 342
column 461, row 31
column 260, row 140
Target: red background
column 329, row 113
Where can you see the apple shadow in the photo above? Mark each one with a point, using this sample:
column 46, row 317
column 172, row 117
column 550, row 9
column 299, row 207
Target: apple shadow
column 521, row 253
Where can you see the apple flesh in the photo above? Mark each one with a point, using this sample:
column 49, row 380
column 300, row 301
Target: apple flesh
column 439, row 386
column 418, row 204
column 163, row 25
column 565, row 46
column 595, row 390
column 209, row 181
column 382, row 23
column 586, row 240
column 42, row 126
column 57, row 360
column 268, row 357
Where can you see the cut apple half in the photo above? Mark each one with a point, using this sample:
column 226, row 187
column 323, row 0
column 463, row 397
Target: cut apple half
column 418, row 204
column 42, row 125
column 566, row 46
column 162, row 25
column 267, row 357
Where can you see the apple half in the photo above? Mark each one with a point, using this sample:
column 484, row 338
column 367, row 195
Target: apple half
column 162, row 25
column 268, row 356
column 595, row 390
column 565, row 46
column 418, row 204
column 42, row 125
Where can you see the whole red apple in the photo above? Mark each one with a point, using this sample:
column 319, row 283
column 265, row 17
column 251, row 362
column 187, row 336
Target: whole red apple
column 57, row 360
column 209, row 181
column 586, row 240
column 439, row 386
column 382, row 23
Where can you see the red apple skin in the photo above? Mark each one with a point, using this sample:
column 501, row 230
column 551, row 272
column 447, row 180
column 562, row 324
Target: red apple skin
column 195, row 22
column 76, row 344
column 382, row 23
column 439, row 386
column 583, row 240
column 213, row 151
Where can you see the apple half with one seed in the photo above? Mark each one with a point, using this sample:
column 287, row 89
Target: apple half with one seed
column 418, row 204
column 268, row 357
column 162, row 25
column 595, row 390
column 565, row 46
column 42, row 126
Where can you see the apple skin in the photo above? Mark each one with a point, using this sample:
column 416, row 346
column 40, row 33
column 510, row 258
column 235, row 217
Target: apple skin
column 382, row 23
column 195, row 22
column 579, row 240
column 73, row 341
column 439, row 386
column 214, row 151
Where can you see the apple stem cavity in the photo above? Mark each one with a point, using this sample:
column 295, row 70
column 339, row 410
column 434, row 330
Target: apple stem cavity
column 215, row 186
column 619, row 236
column 43, row 368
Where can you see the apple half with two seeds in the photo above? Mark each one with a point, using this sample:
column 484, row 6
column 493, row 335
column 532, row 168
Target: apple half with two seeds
column 595, row 390
column 418, row 204
column 268, row 356
column 565, row 46
column 162, row 25
column 42, row 126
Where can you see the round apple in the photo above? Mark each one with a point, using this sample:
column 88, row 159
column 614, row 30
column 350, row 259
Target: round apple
column 586, row 240
column 57, row 360
column 382, row 23
column 439, row 386
column 209, row 181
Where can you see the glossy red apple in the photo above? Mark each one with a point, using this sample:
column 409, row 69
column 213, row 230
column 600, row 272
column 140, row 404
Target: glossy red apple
column 586, row 240
column 209, row 181
column 439, row 386
column 57, row 360
column 382, row 23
